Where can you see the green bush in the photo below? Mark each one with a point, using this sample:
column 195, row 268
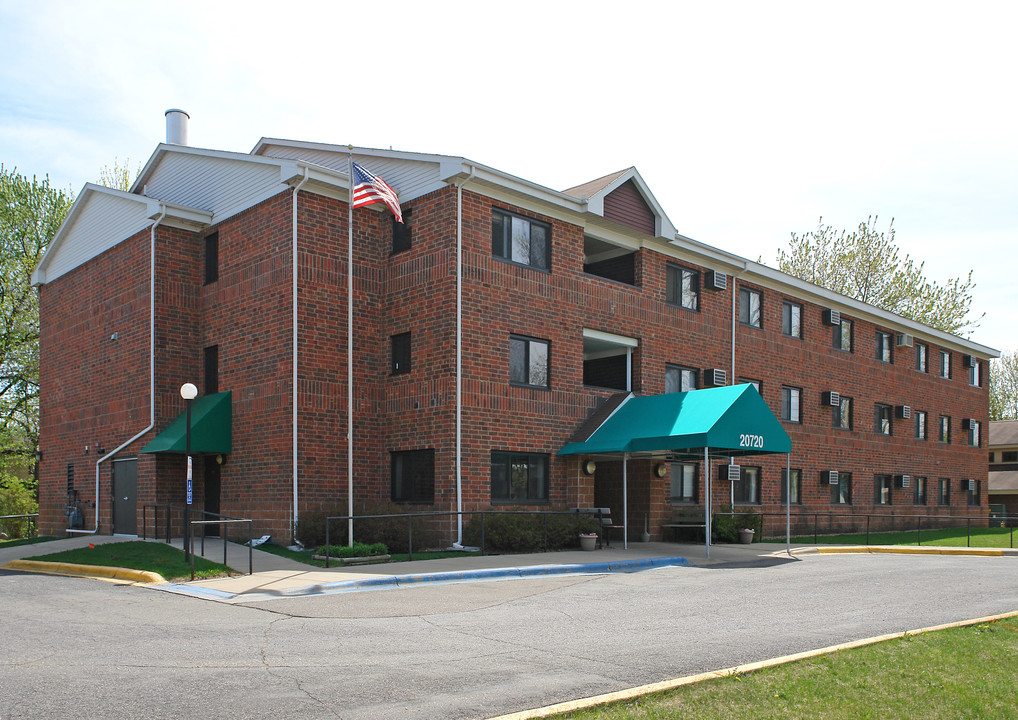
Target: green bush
column 725, row 527
column 521, row 532
column 16, row 498
column 358, row 550
column 310, row 530
column 393, row 531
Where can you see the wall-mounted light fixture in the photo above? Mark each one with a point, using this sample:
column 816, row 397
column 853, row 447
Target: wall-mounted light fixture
column 589, row 467
column 115, row 336
column 660, row 470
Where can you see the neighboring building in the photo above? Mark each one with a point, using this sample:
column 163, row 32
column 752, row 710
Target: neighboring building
column 1003, row 480
column 563, row 300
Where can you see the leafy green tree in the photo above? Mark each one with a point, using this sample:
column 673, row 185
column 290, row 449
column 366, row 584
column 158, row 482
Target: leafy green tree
column 1004, row 387
column 866, row 264
column 117, row 176
column 30, row 214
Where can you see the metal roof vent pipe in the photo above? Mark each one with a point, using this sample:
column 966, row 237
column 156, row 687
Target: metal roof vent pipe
column 176, row 126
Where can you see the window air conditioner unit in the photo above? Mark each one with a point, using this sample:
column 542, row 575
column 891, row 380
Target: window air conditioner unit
column 831, row 398
column 967, row 361
column 715, row 377
column 904, row 481
column 903, row 411
column 903, row 340
column 831, row 477
column 832, row 317
column 716, row 280
column 966, row 423
column 733, row 472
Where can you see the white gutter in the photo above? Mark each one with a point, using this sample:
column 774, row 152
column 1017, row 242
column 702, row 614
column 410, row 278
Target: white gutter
column 294, row 270
column 731, row 380
column 151, row 370
column 459, row 358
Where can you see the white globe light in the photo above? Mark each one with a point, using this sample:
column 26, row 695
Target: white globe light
column 188, row 391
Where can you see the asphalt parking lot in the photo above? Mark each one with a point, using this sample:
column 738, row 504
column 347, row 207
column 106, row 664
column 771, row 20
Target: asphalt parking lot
column 79, row 647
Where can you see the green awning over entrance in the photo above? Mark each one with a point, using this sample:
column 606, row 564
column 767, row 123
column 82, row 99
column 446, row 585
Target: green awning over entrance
column 211, row 428
column 733, row 418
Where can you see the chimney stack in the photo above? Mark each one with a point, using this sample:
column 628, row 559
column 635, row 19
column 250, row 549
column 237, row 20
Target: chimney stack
column 176, row 127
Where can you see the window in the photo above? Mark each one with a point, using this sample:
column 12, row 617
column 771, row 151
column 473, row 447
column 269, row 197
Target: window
column 843, row 335
column 944, row 431
column 211, row 258
column 794, row 486
column 945, row 364
column 749, row 307
column 519, row 477
column 791, row 319
column 413, row 476
column 882, row 489
column 974, row 373
column 884, row 346
column 746, row 490
column 920, row 425
column 684, row 477
column 973, row 492
column 974, row 433
column 520, row 240
column 882, row 419
column 944, row 495
column 211, row 362
column 791, row 410
column 1009, row 456
column 528, row 361
column 841, row 494
column 921, row 354
column 842, row 414
column 679, row 379
column 400, row 354
column 682, row 287
column 919, row 497
column 402, row 232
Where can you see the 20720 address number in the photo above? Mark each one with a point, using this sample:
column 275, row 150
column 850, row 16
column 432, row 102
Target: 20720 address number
column 751, row 441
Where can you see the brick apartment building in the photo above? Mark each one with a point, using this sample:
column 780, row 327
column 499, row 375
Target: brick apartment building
column 487, row 329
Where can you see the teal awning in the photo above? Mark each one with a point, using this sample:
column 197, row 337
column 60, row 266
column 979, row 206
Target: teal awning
column 211, row 428
column 733, row 418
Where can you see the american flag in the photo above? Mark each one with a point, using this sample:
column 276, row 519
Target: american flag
column 369, row 189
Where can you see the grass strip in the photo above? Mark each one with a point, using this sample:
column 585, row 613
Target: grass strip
column 307, row 556
column 965, row 672
column 953, row 537
column 155, row 557
column 25, row 541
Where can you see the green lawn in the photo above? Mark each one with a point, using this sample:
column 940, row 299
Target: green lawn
column 307, row 556
column 953, row 537
column 957, row 673
column 156, row 557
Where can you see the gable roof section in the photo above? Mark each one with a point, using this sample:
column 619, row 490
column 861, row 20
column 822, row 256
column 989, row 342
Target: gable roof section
column 101, row 218
column 1003, row 433
column 595, row 193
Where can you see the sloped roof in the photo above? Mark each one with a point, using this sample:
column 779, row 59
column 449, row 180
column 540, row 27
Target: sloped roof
column 1003, row 432
column 595, row 186
column 1004, row 482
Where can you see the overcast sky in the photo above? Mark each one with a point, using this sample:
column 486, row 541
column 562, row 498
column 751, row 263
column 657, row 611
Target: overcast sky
column 748, row 121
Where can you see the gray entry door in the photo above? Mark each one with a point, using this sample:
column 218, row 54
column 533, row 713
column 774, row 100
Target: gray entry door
column 125, row 497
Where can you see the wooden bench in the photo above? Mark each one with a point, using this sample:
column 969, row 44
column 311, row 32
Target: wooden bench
column 686, row 520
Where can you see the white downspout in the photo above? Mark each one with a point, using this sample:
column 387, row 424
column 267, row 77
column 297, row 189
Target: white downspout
column 151, row 370
column 731, row 379
column 459, row 358
column 295, row 389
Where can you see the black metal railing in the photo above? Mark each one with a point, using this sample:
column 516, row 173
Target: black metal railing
column 18, row 526
column 543, row 514
column 205, row 519
column 820, row 525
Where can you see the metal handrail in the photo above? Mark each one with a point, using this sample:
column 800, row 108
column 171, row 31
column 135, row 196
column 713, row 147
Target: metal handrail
column 33, row 517
column 221, row 520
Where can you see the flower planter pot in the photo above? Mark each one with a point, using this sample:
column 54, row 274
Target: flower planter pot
column 746, row 536
column 588, row 542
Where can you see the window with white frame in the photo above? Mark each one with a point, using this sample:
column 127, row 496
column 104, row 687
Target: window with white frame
column 843, row 335
column 842, row 413
column 974, row 379
column 974, row 427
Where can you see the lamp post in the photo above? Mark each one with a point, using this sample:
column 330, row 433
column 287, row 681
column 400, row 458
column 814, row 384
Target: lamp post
column 189, row 392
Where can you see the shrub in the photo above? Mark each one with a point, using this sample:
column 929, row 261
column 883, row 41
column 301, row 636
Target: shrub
column 523, row 532
column 393, row 531
column 17, row 499
column 725, row 526
column 310, row 530
column 358, row 550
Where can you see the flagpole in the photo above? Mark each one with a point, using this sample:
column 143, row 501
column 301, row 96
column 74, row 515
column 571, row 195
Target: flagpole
column 349, row 358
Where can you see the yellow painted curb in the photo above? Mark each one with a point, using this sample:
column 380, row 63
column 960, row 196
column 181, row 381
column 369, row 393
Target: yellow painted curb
column 906, row 550
column 96, row 571
column 640, row 690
